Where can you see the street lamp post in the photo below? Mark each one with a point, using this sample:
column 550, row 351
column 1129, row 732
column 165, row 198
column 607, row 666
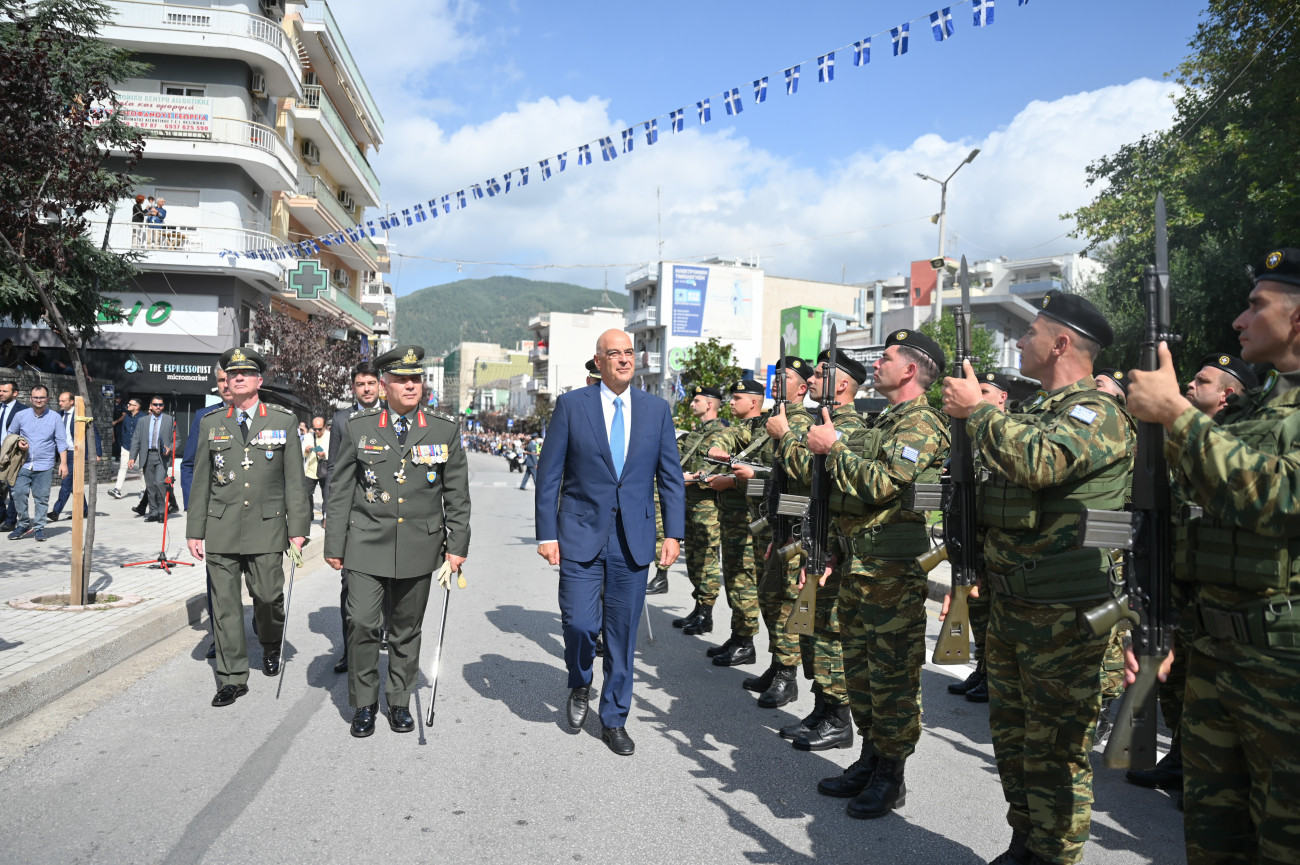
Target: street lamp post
column 943, row 218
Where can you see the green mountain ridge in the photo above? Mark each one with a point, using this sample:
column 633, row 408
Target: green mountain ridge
column 495, row 309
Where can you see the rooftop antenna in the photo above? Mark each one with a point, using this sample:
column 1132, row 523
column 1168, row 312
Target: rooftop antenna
column 604, row 298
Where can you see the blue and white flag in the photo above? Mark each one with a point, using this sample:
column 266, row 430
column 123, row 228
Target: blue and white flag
column 652, row 132
column 419, row 213
column 406, row 213
column 584, row 154
column 492, row 188
column 325, row 238
column 732, row 98
column 705, row 113
column 523, row 176
column 862, row 52
column 675, row 119
column 385, row 224
column 629, row 139
column 563, row 159
column 460, row 199
column 899, row 35
column 507, row 177
column 760, row 90
column 826, row 68
column 792, row 81
column 545, row 166
column 446, row 203
column 477, row 190
column 370, row 225
column 941, row 24
column 607, row 151
column 1022, row 2
column 983, row 10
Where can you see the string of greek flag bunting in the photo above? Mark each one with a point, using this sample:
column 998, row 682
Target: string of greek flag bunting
column 942, row 28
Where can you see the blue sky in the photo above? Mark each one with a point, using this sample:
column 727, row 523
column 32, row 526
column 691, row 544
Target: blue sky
column 803, row 183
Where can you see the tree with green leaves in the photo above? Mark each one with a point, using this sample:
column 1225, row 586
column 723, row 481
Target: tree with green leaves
column 307, row 357
column 710, row 363
column 984, row 353
column 58, row 129
column 1227, row 169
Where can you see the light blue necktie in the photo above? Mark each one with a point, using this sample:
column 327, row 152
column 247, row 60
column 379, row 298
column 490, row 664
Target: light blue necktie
column 617, row 438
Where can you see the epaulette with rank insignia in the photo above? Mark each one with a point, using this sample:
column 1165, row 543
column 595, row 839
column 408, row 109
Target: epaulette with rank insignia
column 362, row 412
column 433, row 412
column 273, row 407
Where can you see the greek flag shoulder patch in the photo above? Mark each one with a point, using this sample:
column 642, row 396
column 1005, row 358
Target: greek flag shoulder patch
column 911, row 453
column 1083, row 413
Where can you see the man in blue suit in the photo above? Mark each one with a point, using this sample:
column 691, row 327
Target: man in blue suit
column 606, row 446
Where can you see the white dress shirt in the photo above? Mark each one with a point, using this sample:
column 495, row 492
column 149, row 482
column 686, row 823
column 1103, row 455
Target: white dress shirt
column 607, row 408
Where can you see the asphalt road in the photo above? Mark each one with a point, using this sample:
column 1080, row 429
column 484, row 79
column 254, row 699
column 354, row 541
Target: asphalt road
column 138, row 767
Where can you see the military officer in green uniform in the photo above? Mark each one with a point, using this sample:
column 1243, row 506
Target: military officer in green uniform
column 882, row 595
column 739, row 569
column 829, row 724
column 703, row 532
column 779, row 684
column 399, row 505
column 1069, row 447
column 248, row 502
column 1241, row 752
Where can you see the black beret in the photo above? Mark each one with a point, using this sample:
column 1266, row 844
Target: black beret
column 919, row 341
column 242, row 360
column 1234, row 366
column 851, row 367
column 799, row 365
column 749, row 386
column 1078, row 314
column 701, row 390
column 592, row 369
column 1280, row 265
column 1118, row 375
column 997, row 379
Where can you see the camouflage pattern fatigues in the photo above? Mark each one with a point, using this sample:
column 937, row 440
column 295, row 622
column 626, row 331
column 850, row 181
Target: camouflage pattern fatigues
column 777, row 582
column 882, row 600
column 820, row 652
column 1060, row 452
column 1241, row 751
column 703, row 531
column 739, row 556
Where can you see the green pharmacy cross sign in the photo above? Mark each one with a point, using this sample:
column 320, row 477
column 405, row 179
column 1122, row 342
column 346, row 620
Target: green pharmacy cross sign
column 308, row 279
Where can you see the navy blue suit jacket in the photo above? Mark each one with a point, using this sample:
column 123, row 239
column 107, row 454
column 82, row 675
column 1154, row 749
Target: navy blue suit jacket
column 577, row 492
column 191, row 448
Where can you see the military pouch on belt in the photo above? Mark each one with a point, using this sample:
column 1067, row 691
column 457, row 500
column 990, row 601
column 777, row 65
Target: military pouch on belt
column 1074, row 577
column 1271, row 625
column 893, row 541
column 1224, row 556
column 1004, row 505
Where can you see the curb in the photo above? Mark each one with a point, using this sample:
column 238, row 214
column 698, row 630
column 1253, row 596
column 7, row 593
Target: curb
column 27, row 691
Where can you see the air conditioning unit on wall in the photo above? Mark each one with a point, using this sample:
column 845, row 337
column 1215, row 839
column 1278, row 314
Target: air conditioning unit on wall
column 257, row 85
column 310, row 152
column 341, row 277
column 345, row 199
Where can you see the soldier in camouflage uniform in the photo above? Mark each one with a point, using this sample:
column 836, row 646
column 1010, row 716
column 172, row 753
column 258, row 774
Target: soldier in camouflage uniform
column 995, row 388
column 739, row 569
column 828, row 725
column 779, row 684
column 1241, row 752
column 1068, row 448
column 703, row 531
column 882, row 598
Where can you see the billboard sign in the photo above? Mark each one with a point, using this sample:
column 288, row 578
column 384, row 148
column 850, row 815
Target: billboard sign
column 690, row 290
column 802, row 328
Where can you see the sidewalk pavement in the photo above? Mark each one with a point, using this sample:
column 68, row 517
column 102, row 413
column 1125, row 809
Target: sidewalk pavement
column 45, row 654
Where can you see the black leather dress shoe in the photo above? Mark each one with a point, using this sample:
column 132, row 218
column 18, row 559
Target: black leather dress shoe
column 618, row 740
column 577, row 707
column 363, row 722
column 211, row 653
column 341, row 665
column 400, row 720
column 658, row 584
column 271, row 662
column 228, row 694
column 153, row 519
column 140, row 508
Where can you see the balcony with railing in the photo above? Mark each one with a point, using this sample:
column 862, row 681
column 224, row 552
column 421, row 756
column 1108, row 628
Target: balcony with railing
column 541, row 354
column 317, row 117
column 208, row 31
column 324, row 214
column 648, row 362
column 350, row 307
column 189, row 247
column 319, row 14
column 257, row 148
column 641, row 318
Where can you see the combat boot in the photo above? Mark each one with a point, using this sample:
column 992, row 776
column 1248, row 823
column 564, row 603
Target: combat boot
column 885, row 792
column 808, row 724
column 1017, row 853
column 714, row 651
column 703, row 623
column 979, row 693
column 834, row 731
column 971, row 681
column 658, row 584
column 784, row 688
column 1167, row 774
column 762, row 682
column 855, row 778
column 689, row 617
column 741, row 652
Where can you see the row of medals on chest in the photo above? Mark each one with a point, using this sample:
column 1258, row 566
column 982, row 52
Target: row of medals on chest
column 273, row 439
column 422, row 455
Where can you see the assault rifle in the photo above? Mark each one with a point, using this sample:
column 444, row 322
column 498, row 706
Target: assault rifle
column 1146, row 534
column 771, row 490
column 956, row 499
column 815, row 522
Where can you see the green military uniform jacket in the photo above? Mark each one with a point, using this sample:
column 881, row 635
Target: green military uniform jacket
column 248, row 499
column 733, row 440
column 397, row 509
column 792, row 451
column 692, row 448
